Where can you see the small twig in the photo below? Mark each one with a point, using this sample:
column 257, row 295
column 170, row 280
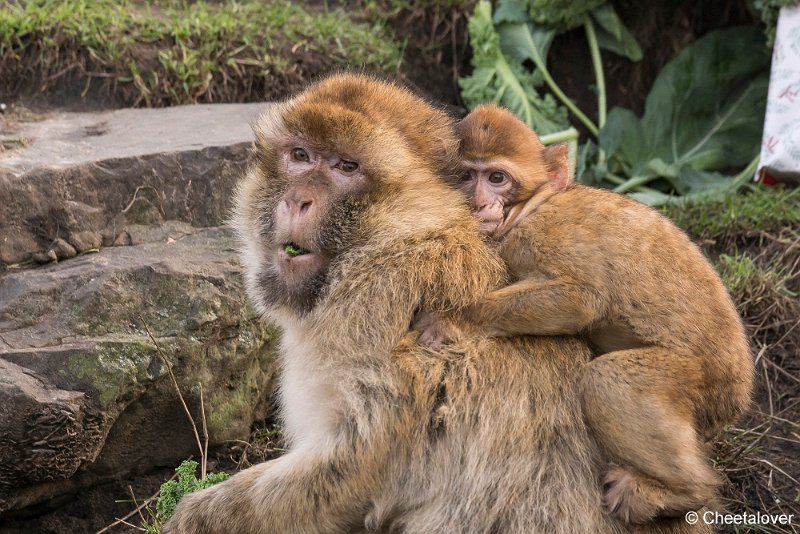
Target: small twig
column 747, row 448
column 760, row 354
column 779, row 470
column 133, row 526
column 784, row 337
column 138, row 508
column 62, row 72
column 781, row 419
column 771, row 436
column 769, row 389
column 177, row 388
column 123, row 520
column 136, row 197
column 782, row 370
column 243, row 456
column 204, row 456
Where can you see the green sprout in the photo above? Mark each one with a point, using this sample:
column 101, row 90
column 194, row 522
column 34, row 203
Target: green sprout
column 293, row 250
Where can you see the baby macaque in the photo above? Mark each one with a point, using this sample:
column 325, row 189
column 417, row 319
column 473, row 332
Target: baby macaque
column 674, row 364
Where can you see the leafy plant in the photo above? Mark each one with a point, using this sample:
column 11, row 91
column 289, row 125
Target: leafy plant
column 172, row 491
column 504, row 80
column 769, row 11
column 522, row 31
column 703, row 115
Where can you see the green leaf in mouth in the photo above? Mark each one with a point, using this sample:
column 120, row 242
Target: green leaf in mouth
column 293, row 250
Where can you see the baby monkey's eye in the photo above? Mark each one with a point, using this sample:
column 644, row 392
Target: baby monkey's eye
column 348, row 166
column 497, row 177
column 298, row 154
column 466, row 177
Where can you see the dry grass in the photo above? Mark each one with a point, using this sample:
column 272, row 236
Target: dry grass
column 266, row 443
column 755, row 240
column 761, row 456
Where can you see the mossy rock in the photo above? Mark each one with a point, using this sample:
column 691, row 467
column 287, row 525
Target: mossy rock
column 80, row 330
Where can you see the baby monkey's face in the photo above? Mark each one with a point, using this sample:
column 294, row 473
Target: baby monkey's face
column 505, row 166
column 491, row 189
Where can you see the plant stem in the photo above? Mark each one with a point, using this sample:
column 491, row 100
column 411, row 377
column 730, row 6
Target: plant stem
column 505, row 71
column 636, row 182
column 537, row 60
column 600, row 81
column 597, row 64
column 618, row 180
column 747, row 173
column 632, row 182
column 558, row 137
column 570, row 138
column 175, row 384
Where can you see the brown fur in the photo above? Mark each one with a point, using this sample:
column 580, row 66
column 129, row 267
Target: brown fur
column 675, row 366
column 486, row 436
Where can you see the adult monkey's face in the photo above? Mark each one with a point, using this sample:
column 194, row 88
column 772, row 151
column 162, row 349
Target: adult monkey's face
column 328, row 163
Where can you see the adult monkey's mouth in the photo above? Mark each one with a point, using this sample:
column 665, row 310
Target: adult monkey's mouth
column 293, row 250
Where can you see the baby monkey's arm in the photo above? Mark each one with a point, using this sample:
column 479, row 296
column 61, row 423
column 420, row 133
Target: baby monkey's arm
column 537, row 306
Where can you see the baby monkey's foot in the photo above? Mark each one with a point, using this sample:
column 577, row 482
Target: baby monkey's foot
column 627, row 498
column 435, row 329
column 635, row 499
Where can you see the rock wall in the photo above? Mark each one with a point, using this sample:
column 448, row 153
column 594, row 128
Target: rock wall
column 128, row 244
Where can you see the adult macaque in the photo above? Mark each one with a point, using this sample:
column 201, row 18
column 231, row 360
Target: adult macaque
column 346, row 230
column 675, row 362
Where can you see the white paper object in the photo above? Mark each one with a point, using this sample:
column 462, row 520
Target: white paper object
column 780, row 146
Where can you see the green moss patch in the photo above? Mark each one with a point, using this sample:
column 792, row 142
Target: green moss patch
column 763, row 209
column 114, row 370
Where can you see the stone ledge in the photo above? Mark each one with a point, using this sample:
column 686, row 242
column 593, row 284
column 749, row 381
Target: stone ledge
column 81, row 178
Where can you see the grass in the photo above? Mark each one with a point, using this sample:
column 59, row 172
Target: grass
column 754, row 241
column 762, row 209
column 155, row 53
column 10, row 143
column 745, row 279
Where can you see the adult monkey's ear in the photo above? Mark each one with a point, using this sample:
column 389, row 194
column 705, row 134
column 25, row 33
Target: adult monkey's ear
column 557, row 163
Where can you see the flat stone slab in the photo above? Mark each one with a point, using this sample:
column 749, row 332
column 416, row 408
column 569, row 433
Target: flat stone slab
column 73, row 182
column 65, row 139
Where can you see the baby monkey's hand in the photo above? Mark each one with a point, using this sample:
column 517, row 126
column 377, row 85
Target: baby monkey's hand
column 435, row 329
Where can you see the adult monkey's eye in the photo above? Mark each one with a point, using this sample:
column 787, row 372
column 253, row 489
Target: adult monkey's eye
column 298, row 154
column 466, row 177
column 348, row 166
column 497, row 177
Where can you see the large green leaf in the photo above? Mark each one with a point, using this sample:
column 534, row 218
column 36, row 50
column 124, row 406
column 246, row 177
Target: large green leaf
column 561, row 15
column 705, row 112
column 613, row 36
column 623, row 136
column 501, row 79
column 511, row 11
column 517, row 41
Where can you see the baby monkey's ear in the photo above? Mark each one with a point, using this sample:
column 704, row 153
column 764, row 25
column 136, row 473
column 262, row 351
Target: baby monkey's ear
column 557, row 162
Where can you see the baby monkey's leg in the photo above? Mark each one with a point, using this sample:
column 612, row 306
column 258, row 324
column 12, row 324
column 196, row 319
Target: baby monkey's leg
column 640, row 405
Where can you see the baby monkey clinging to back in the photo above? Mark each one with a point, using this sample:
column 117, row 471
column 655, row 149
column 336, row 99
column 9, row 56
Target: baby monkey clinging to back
column 674, row 363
